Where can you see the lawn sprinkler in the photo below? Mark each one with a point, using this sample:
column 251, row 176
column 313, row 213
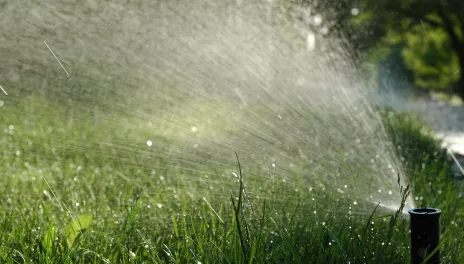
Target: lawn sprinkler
column 425, row 235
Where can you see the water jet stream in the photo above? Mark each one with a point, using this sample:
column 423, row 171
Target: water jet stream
column 200, row 80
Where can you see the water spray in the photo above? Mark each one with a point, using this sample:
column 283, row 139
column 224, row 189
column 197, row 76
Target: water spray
column 425, row 235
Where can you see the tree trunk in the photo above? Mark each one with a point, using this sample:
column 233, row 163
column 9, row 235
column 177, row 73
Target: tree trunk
column 459, row 88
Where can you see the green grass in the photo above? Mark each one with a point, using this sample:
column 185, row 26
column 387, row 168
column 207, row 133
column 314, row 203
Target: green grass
column 146, row 208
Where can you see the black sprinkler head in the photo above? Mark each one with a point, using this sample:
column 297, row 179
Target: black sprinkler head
column 425, row 234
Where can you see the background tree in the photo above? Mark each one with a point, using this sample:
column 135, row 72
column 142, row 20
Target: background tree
column 431, row 34
column 421, row 41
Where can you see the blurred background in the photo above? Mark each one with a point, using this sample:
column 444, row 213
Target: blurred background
column 412, row 51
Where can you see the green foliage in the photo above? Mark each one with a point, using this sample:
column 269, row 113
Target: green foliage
column 76, row 227
column 429, row 54
column 430, row 34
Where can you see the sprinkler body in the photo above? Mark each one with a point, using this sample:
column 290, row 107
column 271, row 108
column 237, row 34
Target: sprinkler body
column 425, row 234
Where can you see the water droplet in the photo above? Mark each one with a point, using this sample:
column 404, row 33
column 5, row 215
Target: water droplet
column 379, row 191
column 311, row 41
column 149, row 143
column 390, row 192
column 317, row 20
column 355, row 203
column 160, row 205
column 77, row 204
column 194, row 129
column 324, row 30
column 273, row 165
column 11, row 127
column 355, row 11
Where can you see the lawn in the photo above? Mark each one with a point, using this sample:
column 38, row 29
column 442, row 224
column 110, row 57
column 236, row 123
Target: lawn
column 77, row 189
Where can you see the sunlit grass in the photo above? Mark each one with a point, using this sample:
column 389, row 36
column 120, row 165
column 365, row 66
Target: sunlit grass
column 73, row 194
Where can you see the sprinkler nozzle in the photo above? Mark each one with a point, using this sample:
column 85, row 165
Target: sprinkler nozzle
column 425, row 234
